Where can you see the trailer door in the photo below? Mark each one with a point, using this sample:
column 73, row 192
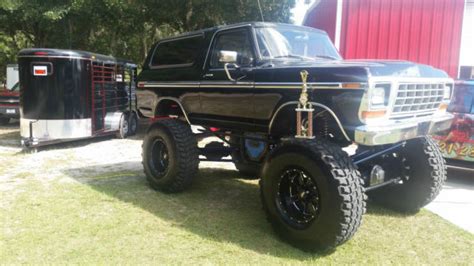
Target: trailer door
column 103, row 85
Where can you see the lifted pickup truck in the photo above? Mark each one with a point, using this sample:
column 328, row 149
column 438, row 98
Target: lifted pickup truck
column 285, row 104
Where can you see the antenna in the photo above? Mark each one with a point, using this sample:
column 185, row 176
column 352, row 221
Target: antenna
column 260, row 8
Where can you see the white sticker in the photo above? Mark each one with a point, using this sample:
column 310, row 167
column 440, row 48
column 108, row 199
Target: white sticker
column 40, row 70
column 119, row 78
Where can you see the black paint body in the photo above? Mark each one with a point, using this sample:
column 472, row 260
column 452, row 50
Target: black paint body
column 251, row 108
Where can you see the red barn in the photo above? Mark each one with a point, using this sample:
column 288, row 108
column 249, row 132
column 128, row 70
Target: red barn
column 424, row 31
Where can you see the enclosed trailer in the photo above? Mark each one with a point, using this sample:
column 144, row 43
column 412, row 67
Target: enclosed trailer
column 69, row 95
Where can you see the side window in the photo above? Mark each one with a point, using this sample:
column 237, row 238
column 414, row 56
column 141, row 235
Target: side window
column 177, row 53
column 237, row 41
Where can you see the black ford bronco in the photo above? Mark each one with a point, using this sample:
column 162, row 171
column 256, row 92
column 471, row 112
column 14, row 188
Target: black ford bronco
column 284, row 105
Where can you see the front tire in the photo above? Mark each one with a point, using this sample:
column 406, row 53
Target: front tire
column 312, row 194
column 170, row 156
column 423, row 176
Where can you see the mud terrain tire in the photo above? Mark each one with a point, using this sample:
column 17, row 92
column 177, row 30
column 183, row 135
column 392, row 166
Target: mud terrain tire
column 170, row 156
column 340, row 202
column 426, row 174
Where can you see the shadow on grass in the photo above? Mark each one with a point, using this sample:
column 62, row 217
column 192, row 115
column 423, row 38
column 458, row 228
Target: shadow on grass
column 218, row 206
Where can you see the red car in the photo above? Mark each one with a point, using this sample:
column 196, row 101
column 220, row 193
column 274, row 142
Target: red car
column 457, row 144
column 9, row 104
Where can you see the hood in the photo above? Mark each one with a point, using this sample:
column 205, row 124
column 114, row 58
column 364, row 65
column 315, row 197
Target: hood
column 352, row 70
column 7, row 93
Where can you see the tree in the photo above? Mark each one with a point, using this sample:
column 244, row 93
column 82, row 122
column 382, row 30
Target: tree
column 122, row 28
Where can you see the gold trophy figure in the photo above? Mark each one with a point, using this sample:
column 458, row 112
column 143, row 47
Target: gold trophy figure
column 304, row 130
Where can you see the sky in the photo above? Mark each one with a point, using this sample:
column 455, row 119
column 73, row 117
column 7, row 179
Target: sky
column 300, row 9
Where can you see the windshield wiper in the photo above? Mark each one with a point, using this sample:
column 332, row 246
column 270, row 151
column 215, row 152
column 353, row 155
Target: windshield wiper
column 293, row 56
column 326, row 57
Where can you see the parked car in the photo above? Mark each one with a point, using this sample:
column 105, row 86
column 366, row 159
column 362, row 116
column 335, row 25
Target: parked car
column 9, row 104
column 457, row 143
column 284, row 103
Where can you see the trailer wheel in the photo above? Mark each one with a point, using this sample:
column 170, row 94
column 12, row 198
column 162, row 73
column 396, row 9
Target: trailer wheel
column 423, row 173
column 132, row 124
column 123, row 127
column 312, row 194
column 170, row 156
column 4, row 120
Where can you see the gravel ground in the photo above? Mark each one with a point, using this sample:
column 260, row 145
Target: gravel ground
column 67, row 162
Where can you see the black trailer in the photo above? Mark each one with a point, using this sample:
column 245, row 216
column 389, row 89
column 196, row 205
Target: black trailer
column 69, row 95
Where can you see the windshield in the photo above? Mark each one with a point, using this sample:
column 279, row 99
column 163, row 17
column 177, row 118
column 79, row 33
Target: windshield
column 463, row 99
column 294, row 42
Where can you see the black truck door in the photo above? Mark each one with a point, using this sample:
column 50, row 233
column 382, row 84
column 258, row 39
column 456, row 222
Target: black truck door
column 228, row 95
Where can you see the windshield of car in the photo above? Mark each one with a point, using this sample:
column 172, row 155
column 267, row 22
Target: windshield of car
column 16, row 86
column 463, row 99
column 295, row 42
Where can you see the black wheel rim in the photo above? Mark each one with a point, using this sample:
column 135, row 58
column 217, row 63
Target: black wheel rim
column 298, row 197
column 159, row 159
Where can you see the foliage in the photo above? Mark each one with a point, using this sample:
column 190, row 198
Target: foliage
column 123, row 28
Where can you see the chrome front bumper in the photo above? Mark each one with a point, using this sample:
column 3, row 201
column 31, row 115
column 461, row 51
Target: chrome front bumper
column 397, row 131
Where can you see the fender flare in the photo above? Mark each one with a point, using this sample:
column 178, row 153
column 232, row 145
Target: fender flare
column 176, row 100
column 314, row 104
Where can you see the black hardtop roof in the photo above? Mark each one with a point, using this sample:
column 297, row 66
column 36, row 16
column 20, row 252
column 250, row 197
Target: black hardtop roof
column 71, row 53
column 230, row 26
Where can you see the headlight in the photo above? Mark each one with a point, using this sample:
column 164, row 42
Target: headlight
column 447, row 92
column 378, row 96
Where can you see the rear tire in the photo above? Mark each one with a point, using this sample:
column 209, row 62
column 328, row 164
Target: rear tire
column 123, row 127
column 4, row 121
column 170, row 156
column 423, row 180
column 132, row 124
column 312, row 194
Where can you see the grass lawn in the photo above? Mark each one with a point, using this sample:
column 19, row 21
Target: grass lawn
column 116, row 218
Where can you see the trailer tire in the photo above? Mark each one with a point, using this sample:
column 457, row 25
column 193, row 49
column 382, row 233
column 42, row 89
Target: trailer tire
column 4, row 120
column 322, row 174
column 170, row 156
column 132, row 124
column 425, row 176
column 123, row 127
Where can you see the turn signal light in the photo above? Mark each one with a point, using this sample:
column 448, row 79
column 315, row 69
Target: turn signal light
column 373, row 114
column 351, row 85
column 443, row 107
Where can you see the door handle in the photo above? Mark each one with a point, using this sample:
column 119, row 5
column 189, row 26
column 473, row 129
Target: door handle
column 208, row 75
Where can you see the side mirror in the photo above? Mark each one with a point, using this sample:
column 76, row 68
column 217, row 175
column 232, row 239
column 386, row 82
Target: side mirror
column 228, row 57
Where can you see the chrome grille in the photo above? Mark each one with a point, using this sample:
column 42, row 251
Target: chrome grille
column 417, row 99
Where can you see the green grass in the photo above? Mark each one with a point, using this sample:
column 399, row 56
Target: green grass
column 116, row 218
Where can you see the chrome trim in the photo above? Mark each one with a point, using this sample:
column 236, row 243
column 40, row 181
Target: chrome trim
column 178, row 102
column 314, row 104
column 372, row 135
column 55, row 129
column 248, row 84
column 394, row 86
